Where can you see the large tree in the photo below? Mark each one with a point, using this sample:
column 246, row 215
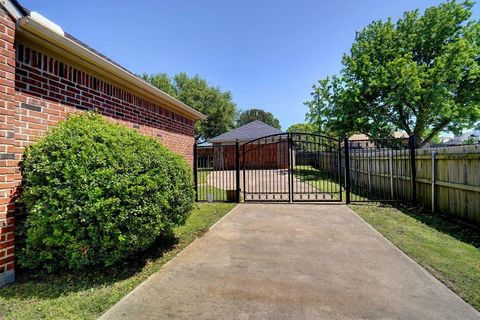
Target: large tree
column 250, row 115
column 195, row 92
column 420, row 74
column 302, row 128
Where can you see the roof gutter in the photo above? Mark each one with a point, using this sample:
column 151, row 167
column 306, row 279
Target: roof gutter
column 14, row 8
column 28, row 27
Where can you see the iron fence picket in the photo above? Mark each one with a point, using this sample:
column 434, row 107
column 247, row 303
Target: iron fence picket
column 298, row 167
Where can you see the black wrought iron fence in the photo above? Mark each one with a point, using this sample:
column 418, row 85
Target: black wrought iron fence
column 216, row 173
column 316, row 168
column 307, row 167
column 379, row 169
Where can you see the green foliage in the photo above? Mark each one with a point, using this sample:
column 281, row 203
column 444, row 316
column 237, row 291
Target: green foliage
column 96, row 192
column 195, row 92
column 302, row 128
column 250, row 115
column 471, row 140
column 436, row 140
column 161, row 81
column 420, row 74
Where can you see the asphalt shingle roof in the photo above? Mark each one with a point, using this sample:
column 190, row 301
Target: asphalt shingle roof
column 250, row 131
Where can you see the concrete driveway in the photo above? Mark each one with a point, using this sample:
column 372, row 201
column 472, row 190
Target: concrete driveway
column 272, row 184
column 281, row 261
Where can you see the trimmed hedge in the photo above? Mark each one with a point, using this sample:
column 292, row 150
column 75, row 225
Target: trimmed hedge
column 96, row 192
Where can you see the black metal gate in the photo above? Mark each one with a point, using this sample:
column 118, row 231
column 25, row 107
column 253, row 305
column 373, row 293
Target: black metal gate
column 292, row 167
column 301, row 167
column 380, row 170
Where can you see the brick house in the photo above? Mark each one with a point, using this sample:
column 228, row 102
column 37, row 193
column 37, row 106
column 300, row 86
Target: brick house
column 45, row 73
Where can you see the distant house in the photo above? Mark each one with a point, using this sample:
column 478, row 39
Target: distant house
column 362, row 141
column 470, row 137
column 260, row 153
column 361, row 136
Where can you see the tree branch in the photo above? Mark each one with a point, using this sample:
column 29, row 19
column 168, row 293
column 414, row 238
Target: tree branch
column 435, row 131
column 403, row 120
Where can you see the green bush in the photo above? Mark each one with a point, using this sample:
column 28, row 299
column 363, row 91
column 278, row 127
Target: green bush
column 96, row 192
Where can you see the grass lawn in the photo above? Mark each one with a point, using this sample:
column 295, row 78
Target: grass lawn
column 204, row 189
column 448, row 250
column 218, row 194
column 322, row 182
column 318, row 180
column 88, row 295
column 202, row 176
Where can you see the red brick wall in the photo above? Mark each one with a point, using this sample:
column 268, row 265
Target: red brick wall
column 47, row 89
column 263, row 156
column 37, row 91
column 9, row 153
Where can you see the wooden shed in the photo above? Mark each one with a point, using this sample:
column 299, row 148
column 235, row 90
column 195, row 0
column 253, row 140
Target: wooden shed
column 260, row 152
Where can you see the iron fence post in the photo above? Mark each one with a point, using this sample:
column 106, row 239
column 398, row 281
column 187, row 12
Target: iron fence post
column 433, row 181
column 237, row 169
column 289, row 146
column 390, row 166
column 244, row 174
column 195, row 171
column 339, row 164
column 347, row 170
column 413, row 167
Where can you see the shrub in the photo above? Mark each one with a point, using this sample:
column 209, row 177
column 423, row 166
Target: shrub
column 96, row 192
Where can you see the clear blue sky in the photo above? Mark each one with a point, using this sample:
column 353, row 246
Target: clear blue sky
column 267, row 53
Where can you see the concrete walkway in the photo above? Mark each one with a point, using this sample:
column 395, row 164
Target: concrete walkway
column 292, row 262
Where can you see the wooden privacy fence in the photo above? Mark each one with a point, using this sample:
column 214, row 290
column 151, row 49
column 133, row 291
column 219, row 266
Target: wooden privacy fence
column 447, row 179
column 381, row 174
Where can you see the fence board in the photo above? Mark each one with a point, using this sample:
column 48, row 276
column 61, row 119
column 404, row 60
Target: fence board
column 457, row 177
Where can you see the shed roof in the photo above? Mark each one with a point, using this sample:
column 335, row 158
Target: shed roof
column 250, row 131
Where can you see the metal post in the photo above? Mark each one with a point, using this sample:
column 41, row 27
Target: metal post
column 390, row 164
column 289, row 145
column 237, row 169
column 347, row 170
column 433, row 181
column 195, row 171
column 411, row 142
column 339, row 170
column 244, row 174
column 369, row 170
